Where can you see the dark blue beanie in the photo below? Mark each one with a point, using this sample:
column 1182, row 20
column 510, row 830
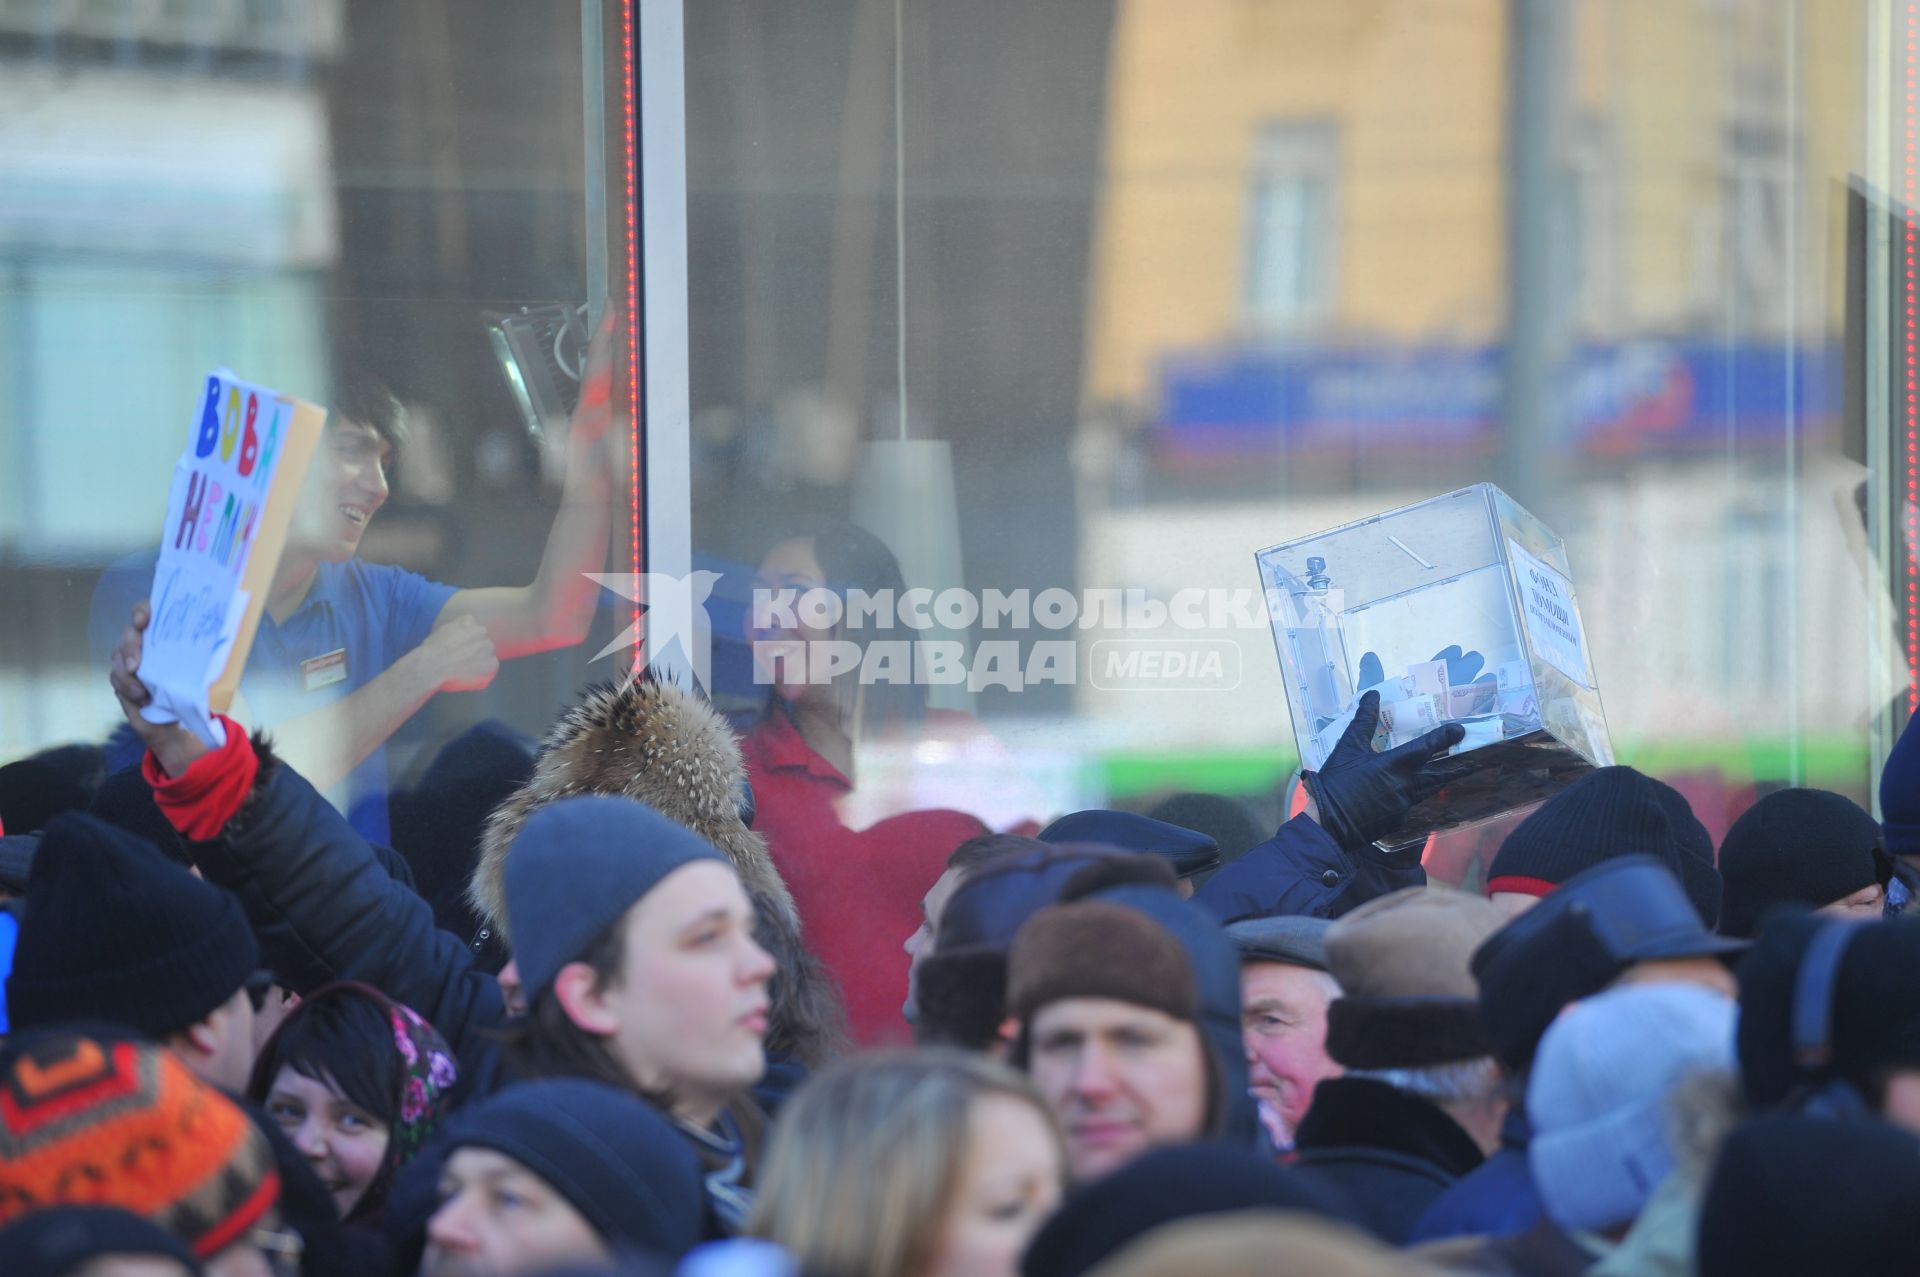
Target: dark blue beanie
column 55, row 1241
column 1188, row 851
column 577, row 866
column 115, row 931
column 1900, row 792
column 1164, row 1186
column 612, row 1155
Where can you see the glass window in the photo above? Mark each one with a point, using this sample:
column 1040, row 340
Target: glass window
column 1088, row 303
column 977, row 348
column 398, row 212
column 1290, row 250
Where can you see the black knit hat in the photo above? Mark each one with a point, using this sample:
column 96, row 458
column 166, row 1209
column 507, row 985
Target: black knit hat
column 1797, row 1195
column 1900, row 792
column 1694, row 856
column 1615, row 811
column 1873, row 1014
column 1578, row 941
column 35, row 790
column 114, row 931
column 1798, row 846
column 16, row 861
column 1164, row 1185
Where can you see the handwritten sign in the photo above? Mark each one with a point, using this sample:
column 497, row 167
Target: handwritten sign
column 227, row 516
column 1546, row 601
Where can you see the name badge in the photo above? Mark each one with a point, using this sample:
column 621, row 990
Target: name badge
column 323, row 671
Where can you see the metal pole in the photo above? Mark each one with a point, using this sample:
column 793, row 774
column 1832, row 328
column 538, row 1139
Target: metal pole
column 593, row 85
column 1536, row 314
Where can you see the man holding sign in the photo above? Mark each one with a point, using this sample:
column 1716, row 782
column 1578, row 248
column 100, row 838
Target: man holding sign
column 346, row 650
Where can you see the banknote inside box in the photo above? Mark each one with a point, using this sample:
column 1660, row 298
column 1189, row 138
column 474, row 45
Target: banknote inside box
column 1459, row 609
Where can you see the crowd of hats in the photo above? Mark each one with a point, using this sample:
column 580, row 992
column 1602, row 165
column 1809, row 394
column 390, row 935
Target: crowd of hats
column 1633, row 1050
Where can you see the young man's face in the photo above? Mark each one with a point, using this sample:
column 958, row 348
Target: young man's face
column 1283, row 1023
column 1121, row 1078
column 499, row 1219
column 345, row 486
column 920, row 942
column 690, row 1007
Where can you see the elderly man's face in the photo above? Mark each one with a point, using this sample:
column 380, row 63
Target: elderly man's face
column 1283, row 1024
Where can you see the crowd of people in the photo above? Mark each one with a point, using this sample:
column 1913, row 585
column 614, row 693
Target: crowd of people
column 583, row 1023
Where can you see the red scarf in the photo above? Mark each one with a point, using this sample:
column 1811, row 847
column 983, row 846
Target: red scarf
column 201, row 800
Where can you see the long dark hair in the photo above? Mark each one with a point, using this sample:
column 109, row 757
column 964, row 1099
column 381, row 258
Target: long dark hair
column 806, row 1022
column 852, row 558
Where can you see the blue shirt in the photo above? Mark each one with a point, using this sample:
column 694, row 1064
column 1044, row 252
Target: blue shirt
column 357, row 619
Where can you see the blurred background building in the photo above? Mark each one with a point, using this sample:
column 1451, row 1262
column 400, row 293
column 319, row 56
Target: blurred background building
column 1076, row 294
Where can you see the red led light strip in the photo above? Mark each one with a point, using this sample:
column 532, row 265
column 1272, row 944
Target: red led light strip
column 633, row 323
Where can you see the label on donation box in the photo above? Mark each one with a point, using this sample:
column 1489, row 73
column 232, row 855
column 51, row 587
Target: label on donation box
column 232, row 500
column 1546, row 601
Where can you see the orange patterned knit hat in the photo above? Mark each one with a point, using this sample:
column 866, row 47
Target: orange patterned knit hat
column 96, row 1121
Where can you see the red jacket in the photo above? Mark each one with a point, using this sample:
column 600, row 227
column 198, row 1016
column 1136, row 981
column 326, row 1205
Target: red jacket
column 858, row 890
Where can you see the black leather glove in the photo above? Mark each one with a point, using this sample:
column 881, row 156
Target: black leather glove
column 1363, row 795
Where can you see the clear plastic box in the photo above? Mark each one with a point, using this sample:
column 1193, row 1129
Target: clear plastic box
column 1457, row 609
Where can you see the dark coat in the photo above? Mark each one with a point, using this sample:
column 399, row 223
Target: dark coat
column 1496, row 1200
column 1391, row 1153
column 1301, row 870
column 325, row 909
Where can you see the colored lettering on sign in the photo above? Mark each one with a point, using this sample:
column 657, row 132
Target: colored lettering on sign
column 249, row 441
column 272, row 448
column 209, row 420
column 230, row 428
column 209, row 503
column 190, row 512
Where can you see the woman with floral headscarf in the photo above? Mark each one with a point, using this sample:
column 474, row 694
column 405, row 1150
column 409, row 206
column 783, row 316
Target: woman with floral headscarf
column 358, row 1083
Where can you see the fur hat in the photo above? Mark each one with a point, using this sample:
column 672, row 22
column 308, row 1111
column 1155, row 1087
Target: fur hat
column 1872, row 1012
column 1408, row 997
column 646, row 740
column 1097, row 949
column 961, row 986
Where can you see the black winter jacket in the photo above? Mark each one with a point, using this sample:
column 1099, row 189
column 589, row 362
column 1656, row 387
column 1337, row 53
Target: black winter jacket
column 1392, row 1153
column 325, row 909
column 1302, row 870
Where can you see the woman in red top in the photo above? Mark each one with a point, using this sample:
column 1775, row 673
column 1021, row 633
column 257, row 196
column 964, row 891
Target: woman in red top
column 856, row 880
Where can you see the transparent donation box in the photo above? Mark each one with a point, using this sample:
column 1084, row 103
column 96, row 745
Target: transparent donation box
column 1460, row 609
